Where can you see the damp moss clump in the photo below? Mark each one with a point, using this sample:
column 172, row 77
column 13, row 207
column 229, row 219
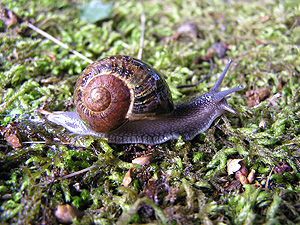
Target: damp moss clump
column 184, row 182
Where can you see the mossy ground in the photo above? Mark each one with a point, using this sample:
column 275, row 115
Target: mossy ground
column 186, row 183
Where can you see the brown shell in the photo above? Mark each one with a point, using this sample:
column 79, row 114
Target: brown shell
column 119, row 88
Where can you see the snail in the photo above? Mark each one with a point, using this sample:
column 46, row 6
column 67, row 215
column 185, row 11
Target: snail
column 127, row 101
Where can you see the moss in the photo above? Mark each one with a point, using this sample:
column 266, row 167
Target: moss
column 186, row 182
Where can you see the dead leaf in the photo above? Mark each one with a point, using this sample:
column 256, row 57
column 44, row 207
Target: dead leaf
column 241, row 177
column 262, row 123
column 66, row 213
column 265, row 18
column 7, row 16
column 10, row 135
column 281, row 167
column 257, row 96
column 127, row 178
column 238, row 168
column 233, row 185
column 188, row 29
column 233, row 165
column 251, row 177
column 52, row 57
column 144, row 160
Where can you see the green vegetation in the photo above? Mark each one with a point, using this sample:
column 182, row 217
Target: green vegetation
column 186, row 182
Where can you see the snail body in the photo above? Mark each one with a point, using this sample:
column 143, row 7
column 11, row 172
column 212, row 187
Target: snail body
column 127, row 101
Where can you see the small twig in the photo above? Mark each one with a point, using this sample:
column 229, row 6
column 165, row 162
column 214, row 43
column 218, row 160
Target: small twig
column 46, row 203
column 34, row 142
column 78, row 172
column 203, row 79
column 295, row 24
column 268, row 178
column 143, row 21
column 69, row 175
column 46, row 35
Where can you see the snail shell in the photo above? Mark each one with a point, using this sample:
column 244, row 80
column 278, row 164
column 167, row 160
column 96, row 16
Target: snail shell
column 126, row 101
column 117, row 89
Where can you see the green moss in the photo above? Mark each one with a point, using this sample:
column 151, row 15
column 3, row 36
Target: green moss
column 186, row 182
